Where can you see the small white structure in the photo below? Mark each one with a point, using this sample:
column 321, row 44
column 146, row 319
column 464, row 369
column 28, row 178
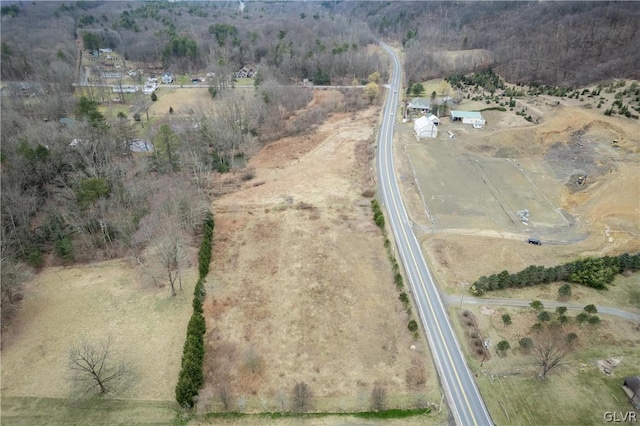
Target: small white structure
column 469, row 117
column 149, row 88
column 435, row 120
column 167, row 77
column 425, row 128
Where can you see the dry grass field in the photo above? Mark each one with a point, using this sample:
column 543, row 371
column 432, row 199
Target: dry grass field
column 106, row 299
column 303, row 289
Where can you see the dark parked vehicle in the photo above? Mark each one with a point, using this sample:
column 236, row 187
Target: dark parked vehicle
column 535, row 241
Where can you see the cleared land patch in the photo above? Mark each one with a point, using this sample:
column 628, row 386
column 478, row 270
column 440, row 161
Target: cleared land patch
column 474, row 191
column 303, row 286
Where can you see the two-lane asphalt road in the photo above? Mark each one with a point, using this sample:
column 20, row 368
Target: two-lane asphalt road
column 462, row 394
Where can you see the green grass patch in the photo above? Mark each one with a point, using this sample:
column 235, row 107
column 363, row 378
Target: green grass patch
column 395, row 413
column 245, row 81
column 111, row 111
column 438, row 85
column 38, row 411
column 182, row 79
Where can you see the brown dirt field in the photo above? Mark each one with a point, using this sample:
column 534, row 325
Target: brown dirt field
column 302, row 280
column 62, row 304
column 569, row 137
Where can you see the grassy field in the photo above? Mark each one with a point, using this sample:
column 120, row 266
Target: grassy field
column 245, row 81
column 510, row 384
column 105, row 299
column 28, row 411
column 438, row 85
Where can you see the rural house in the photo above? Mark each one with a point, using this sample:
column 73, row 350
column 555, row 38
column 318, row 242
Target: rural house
column 425, row 128
column 631, row 386
column 420, row 105
column 245, row 72
column 167, row 77
column 468, row 117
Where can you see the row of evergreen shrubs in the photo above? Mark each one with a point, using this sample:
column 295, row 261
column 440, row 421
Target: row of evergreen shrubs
column 191, row 375
column 591, row 272
column 378, row 218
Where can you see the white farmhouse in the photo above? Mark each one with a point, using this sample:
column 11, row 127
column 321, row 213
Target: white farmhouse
column 425, row 128
column 469, row 117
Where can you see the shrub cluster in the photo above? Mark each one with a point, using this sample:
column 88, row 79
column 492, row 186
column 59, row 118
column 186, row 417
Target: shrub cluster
column 378, row 218
column 591, row 272
column 191, row 375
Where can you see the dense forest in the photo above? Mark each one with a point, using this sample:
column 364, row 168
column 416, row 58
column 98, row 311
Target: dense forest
column 71, row 189
column 555, row 43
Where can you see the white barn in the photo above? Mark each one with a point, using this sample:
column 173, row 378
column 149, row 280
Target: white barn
column 425, row 128
column 469, row 117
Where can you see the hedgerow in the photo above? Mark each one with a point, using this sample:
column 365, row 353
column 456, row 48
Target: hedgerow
column 591, row 272
column 191, row 375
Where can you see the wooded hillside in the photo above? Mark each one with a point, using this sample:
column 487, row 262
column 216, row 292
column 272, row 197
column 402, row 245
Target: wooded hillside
column 558, row 43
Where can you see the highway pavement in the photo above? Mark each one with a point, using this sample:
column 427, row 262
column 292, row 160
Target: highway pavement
column 463, row 398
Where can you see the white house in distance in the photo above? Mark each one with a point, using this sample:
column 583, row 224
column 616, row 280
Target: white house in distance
column 468, row 117
column 149, row 88
column 167, row 78
column 420, row 104
column 425, row 128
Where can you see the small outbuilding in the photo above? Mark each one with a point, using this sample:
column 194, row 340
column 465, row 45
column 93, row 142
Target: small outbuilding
column 425, row 128
column 631, row 386
column 435, row 120
column 468, row 117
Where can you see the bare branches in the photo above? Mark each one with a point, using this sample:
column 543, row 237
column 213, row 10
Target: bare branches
column 550, row 351
column 378, row 398
column 93, row 371
column 301, row 397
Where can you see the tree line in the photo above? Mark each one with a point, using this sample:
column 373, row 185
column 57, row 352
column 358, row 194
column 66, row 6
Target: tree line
column 191, row 376
column 591, row 272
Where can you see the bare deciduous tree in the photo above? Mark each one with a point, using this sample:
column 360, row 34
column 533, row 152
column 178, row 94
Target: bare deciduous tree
column 378, row 398
column 12, row 277
column 172, row 257
column 301, row 397
column 549, row 351
column 226, row 396
column 93, row 369
column 281, row 399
